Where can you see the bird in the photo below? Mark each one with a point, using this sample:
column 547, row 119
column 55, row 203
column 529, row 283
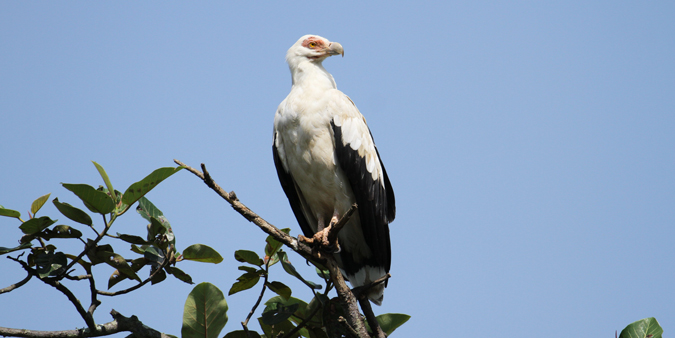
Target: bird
column 326, row 161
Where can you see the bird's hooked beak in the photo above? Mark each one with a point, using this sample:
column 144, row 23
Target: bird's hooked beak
column 335, row 48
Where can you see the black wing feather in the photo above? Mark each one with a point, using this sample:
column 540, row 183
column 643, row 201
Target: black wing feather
column 376, row 204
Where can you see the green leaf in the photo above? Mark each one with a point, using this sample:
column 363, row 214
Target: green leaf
column 148, row 210
column 242, row 334
column 158, row 277
column 118, row 262
column 202, row 253
column 246, row 256
column 97, row 254
column 280, row 289
column 391, row 321
column 116, row 277
column 35, row 225
column 61, row 231
column 132, row 239
column 80, row 261
column 644, row 328
column 38, row 203
column 244, row 282
column 277, row 312
column 4, row 250
column 302, row 310
column 325, row 274
column 95, row 200
column 178, row 273
column 50, row 263
column 273, row 260
column 249, row 269
column 105, row 178
column 142, row 187
column 273, row 245
column 155, row 228
column 74, row 214
column 275, row 330
column 9, row 213
column 205, row 312
column 290, row 269
column 138, row 250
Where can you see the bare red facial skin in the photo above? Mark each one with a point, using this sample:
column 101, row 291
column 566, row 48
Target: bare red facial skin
column 318, row 43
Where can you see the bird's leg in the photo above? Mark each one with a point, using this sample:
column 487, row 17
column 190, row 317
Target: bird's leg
column 320, row 238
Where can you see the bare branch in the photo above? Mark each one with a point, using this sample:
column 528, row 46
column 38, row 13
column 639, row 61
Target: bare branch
column 56, row 284
column 255, row 306
column 92, row 290
column 247, row 213
column 77, row 278
column 372, row 320
column 16, row 285
column 119, row 324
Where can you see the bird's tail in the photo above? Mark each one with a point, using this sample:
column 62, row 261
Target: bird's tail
column 367, row 275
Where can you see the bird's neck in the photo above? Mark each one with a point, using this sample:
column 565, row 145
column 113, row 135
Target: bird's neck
column 312, row 74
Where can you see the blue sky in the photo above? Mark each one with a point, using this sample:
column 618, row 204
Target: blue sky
column 531, row 147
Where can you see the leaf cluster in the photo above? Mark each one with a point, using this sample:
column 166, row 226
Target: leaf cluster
column 283, row 315
column 156, row 248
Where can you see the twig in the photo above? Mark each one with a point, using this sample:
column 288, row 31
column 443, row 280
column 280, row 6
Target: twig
column 77, row 278
column 119, row 324
column 262, row 292
column 351, row 330
column 335, row 229
column 87, row 247
column 303, row 322
column 89, row 320
column 372, row 320
column 152, row 275
column 92, row 290
column 16, row 285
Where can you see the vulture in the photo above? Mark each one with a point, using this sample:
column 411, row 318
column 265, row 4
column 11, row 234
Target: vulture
column 326, row 161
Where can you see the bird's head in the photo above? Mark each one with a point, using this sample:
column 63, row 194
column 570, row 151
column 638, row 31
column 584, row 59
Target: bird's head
column 312, row 48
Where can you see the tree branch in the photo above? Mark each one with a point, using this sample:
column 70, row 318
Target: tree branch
column 354, row 319
column 119, row 324
column 255, row 306
column 16, row 285
column 88, row 319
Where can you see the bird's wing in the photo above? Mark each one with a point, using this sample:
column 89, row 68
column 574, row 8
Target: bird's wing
column 294, row 195
column 359, row 159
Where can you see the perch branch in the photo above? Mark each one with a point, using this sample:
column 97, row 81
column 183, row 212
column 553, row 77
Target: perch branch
column 119, row 324
column 347, row 299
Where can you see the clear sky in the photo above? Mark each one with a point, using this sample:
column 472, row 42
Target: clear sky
column 531, row 146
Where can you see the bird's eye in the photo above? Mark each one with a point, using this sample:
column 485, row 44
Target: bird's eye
column 312, row 44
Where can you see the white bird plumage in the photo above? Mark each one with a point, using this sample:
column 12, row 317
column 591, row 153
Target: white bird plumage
column 326, row 160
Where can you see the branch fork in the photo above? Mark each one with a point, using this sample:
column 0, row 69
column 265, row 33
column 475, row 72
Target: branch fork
column 354, row 320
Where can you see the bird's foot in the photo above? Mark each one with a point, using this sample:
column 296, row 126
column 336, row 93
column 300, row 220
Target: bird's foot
column 320, row 241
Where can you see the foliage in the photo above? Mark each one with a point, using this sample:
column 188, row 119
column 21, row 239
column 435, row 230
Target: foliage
column 205, row 311
column 284, row 315
column 156, row 248
column 644, row 328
